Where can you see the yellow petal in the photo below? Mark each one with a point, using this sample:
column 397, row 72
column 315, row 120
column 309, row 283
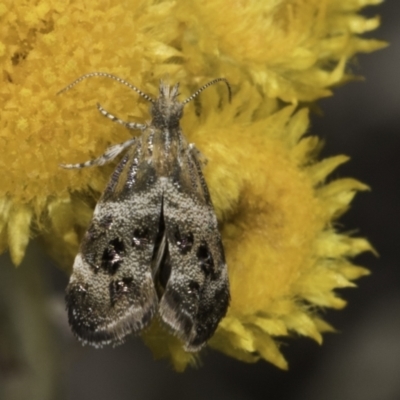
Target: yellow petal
column 18, row 232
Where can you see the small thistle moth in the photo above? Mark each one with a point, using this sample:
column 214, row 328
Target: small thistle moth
column 153, row 246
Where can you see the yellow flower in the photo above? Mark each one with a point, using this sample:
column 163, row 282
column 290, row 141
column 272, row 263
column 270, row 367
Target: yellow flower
column 277, row 212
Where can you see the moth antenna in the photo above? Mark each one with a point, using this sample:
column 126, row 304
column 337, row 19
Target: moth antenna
column 213, row 82
column 106, row 75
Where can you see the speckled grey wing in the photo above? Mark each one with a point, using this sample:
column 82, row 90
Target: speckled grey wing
column 111, row 291
column 196, row 295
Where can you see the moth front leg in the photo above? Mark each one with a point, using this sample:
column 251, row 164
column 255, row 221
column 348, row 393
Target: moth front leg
column 194, row 152
column 108, row 156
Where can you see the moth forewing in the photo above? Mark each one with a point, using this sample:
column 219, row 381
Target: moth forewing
column 114, row 265
column 197, row 292
column 153, row 244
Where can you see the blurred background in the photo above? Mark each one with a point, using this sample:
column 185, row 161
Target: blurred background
column 361, row 361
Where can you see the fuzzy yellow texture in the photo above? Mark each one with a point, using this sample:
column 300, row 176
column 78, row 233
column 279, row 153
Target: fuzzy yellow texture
column 275, row 212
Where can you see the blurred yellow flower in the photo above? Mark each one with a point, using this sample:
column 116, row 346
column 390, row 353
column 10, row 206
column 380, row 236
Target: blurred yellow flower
column 276, row 210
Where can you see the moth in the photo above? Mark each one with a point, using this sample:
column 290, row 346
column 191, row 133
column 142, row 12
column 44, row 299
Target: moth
column 153, row 245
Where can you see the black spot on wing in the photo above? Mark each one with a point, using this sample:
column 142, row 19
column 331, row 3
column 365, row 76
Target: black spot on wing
column 194, row 288
column 120, row 287
column 184, row 241
column 113, row 256
column 106, row 222
column 141, row 237
column 205, row 259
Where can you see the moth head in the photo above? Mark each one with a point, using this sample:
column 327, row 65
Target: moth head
column 167, row 110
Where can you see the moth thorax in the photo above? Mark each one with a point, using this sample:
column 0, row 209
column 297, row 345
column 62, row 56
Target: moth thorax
column 166, row 113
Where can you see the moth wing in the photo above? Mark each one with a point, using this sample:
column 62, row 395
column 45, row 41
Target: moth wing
column 196, row 295
column 111, row 291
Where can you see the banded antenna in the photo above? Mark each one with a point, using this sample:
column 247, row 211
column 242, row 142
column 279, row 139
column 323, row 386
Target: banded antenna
column 106, row 75
column 213, row 82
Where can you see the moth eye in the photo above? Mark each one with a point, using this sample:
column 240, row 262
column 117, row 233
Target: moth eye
column 184, row 242
column 113, row 255
column 141, row 237
column 205, row 259
column 120, row 287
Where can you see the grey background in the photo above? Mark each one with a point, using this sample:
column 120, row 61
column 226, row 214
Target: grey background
column 361, row 362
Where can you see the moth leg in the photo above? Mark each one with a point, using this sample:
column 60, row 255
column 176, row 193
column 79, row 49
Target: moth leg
column 200, row 157
column 108, row 156
column 129, row 125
